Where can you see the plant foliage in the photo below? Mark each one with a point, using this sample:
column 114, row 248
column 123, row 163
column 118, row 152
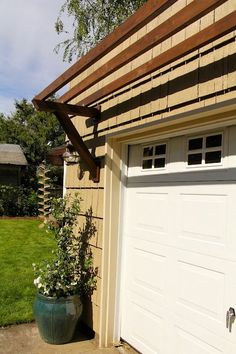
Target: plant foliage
column 71, row 270
column 91, row 21
column 18, row 201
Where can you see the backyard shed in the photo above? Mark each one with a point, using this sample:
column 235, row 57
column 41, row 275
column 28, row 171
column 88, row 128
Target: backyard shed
column 12, row 164
column 152, row 112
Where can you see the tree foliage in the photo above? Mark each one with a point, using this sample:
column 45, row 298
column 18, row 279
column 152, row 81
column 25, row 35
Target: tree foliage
column 92, row 20
column 36, row 133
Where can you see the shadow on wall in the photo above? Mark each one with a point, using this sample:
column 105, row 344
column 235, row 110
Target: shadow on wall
column 200, row 75
column 88, row 230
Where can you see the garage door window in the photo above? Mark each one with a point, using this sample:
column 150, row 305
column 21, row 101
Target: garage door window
column 205, row 150
column 154, row 157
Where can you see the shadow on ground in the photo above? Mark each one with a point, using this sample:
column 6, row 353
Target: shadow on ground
column 25, row 339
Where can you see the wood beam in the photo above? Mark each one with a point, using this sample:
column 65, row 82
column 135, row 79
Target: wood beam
column 79, row 145
column 172, row 25
column 209, row 34
column 51, row 106
column 141, row 17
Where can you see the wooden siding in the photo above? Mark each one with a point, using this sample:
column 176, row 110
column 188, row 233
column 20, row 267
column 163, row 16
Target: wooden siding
column 200, row 79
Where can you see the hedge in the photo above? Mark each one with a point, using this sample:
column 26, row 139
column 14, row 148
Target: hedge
column 18, row 201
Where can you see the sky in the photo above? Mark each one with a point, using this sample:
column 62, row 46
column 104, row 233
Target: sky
column 27, row 39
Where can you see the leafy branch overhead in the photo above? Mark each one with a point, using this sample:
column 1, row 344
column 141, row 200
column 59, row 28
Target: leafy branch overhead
column 92, row 20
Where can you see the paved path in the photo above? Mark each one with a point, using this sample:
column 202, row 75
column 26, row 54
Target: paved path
column 24, row 339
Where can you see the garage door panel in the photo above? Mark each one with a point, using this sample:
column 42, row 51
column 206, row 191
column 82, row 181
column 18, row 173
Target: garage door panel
column 155, row 307
column 145, row 262
column 142, row 221
column 148, row 205
column 147, row 271
column 145, row 337
column 135, row 329
column 204, row 217
column 200, row 292
column 196, row 341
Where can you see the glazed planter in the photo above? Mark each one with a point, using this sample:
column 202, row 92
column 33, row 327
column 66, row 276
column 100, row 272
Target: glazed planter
column 57, row 318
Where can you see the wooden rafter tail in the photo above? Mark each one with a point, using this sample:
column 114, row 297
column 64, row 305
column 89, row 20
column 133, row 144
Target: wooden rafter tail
column 79, row 145
column 198, row 40
column 52, row 106
column 168, row 28
column 141, row 17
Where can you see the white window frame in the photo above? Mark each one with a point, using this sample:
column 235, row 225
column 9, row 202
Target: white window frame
column 154, row 156
column 204, row 150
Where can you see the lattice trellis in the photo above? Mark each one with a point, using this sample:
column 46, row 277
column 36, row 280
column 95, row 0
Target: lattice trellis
column 44, row 193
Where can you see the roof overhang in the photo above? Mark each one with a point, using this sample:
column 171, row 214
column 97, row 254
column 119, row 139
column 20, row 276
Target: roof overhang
column 85, row 107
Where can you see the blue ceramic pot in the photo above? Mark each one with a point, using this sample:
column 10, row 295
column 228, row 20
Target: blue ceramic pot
column 57, row 318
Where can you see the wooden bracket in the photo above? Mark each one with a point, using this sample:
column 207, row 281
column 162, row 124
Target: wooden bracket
column 54, row 106
column 79, row 145
column 61, row 111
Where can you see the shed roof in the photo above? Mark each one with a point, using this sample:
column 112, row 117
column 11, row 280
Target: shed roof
column 12, row 154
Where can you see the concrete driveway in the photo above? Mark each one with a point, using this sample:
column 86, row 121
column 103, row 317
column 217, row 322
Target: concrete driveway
column 24, row 339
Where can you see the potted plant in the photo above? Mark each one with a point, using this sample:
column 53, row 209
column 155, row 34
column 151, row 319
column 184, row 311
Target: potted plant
column 68, row 276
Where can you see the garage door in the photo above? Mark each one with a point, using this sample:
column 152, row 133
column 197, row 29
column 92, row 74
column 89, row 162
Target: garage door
column 179, row 246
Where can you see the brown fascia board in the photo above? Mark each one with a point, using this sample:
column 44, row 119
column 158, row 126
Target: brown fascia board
column 168, row 28
column 136, row 21
column 204, row 37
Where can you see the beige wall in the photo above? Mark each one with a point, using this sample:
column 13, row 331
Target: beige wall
column 199, row 80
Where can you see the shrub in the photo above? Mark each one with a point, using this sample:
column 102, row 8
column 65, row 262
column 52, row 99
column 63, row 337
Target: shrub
column 18, row 201
column 71, row 269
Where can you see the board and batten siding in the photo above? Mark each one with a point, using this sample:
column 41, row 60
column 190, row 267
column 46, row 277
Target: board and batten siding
column 202, row 78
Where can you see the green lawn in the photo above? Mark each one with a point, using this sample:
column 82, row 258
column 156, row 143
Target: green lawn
column 22, row 243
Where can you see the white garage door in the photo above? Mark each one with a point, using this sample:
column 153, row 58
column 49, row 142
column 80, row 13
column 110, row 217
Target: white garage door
column 179, row 238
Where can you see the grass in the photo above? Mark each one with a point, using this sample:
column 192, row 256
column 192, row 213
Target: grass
column 22, row 243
